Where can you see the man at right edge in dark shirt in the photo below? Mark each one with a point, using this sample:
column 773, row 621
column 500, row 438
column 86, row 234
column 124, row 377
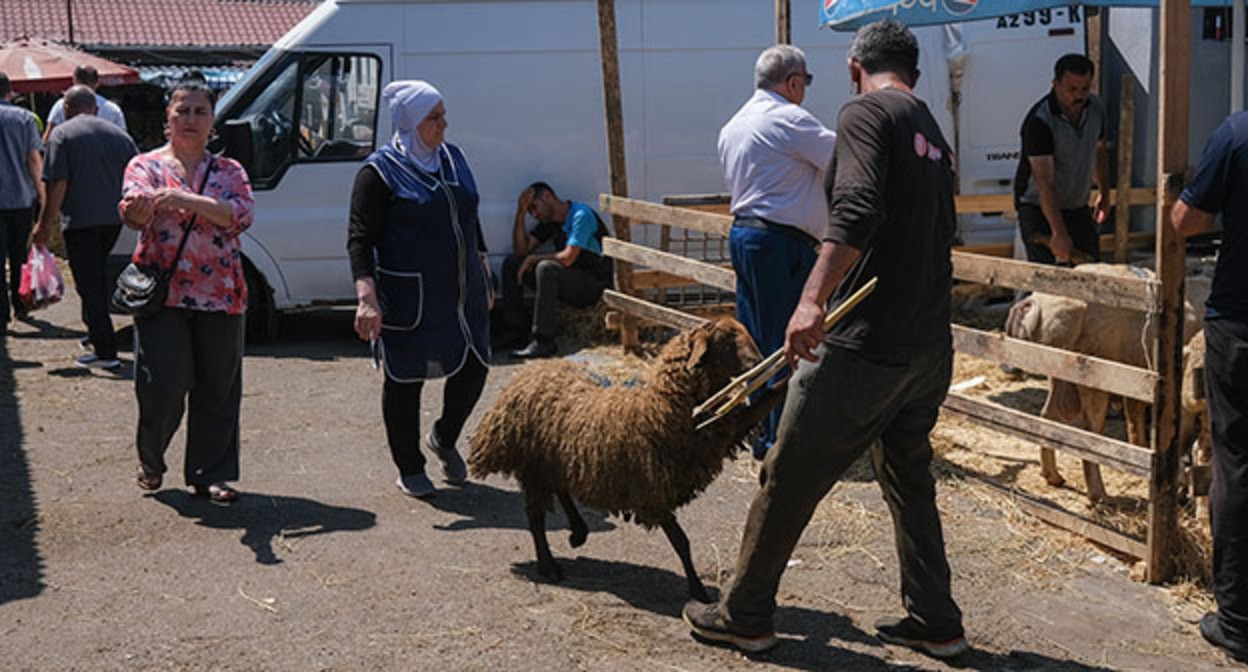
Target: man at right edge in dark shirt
column 877, row 380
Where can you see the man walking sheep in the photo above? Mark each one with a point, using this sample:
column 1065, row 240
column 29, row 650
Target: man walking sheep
column 877, row 380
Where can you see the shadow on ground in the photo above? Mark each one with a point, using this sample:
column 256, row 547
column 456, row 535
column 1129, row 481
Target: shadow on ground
column 484, row 507
column 21, row 568
column 810, row 639
column 268, row 518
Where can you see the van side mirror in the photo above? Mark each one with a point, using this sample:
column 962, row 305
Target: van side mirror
column 237, row 136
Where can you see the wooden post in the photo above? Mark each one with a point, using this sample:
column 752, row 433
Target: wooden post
column 1126, row 156
column 1171, row 267
column 609, row 46
column 784, row 25
column 1092, row 34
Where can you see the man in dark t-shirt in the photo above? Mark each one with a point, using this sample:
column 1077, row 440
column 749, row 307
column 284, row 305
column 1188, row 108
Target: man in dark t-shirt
column 1220, row 184
column 877, row 380
column 575, row 273
column 87, row 159
column 1063, row 153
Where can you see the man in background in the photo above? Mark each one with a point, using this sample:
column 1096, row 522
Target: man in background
column 1220, row 185
column 21, row 168
column 575, row 273
column 86, row 162
column 774, row 155
column 1063, row 152
column 109, row 111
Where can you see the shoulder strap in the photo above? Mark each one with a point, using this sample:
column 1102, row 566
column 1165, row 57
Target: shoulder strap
column 186, row 230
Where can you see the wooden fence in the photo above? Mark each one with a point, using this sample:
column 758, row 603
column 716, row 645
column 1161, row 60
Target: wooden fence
column 1131, row 382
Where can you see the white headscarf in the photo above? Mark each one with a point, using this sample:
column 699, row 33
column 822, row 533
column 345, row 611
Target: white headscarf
column 410, row 102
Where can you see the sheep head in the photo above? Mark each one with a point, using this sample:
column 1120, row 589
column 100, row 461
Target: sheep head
column 708, row 356
column 1047, row 319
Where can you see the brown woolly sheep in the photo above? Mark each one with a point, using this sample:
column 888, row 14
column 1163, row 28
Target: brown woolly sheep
column 624, row 450
column 1102, row 331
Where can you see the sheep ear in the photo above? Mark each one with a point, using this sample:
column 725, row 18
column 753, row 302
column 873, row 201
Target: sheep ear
column 698, row 349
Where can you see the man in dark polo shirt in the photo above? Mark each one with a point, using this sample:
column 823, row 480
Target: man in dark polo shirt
column 876, row 382
column 87, row 159
column 1063, row 153
column 1220, row 185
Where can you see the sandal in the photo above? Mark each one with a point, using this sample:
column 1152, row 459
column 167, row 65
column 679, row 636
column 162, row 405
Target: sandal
column 216, row 492
column 148, row 480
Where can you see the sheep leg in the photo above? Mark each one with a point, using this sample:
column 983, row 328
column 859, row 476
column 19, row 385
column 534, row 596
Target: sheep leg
column 536, row 507
column 680, row 542
column 579, row 529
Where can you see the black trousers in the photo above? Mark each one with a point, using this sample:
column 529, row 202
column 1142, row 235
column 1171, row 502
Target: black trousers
column 834, row 411
column 1084, row 235
column 553, row 282
column 14, row 234
column 88, row 250
column 1226, row 386
column 400, row 408
column 190, row 360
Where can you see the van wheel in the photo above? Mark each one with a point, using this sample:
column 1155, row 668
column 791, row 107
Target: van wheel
column 262, row 318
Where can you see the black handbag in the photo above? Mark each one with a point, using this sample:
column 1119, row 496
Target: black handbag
column 142, row 288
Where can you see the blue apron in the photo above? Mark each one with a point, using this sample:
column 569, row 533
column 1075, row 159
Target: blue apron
column 430, row 281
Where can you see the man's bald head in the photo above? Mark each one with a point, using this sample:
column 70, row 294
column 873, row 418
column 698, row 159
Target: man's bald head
column 79, row 99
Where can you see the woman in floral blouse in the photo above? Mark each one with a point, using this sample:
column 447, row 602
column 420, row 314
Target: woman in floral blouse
column 191, row 352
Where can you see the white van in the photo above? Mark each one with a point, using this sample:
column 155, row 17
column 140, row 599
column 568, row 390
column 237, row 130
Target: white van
column 523, row 88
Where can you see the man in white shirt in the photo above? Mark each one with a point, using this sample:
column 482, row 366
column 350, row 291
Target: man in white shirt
column 775, row 156
column 107, row 109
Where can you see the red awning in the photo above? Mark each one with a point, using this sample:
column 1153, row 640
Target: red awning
column 38, row 65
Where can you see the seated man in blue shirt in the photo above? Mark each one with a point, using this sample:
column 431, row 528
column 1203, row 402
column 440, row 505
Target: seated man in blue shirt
column 575, row 273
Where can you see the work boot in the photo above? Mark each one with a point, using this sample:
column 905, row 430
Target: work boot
column 911, row 633
column 1211, row 630
column 708, row 624
column 538, row 348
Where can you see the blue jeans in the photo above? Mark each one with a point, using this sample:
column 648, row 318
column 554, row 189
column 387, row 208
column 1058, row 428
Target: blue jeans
column 771, row 266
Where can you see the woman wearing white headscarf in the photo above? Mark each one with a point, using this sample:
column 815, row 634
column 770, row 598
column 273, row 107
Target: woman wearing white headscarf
column 417, row 254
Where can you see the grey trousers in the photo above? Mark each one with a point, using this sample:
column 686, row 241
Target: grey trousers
column 553, row 283
column 835, row 410
column 190, row 360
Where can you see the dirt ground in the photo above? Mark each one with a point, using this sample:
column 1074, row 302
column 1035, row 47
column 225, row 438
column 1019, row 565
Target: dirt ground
column 324, row 565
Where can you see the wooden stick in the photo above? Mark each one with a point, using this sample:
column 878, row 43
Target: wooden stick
column 740, row 387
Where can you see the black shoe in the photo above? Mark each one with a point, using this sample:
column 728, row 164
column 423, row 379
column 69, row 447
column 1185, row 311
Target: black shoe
column 1211, row 630
column 537, row 348
column 708, row 624
column 909, row 632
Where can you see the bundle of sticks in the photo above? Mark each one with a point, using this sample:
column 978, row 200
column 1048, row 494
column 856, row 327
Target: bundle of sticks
column 739, row 389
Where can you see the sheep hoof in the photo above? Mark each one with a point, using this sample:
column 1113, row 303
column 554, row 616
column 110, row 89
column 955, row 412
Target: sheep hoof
column 698, row 593
column 577, row 538
column 550, row 571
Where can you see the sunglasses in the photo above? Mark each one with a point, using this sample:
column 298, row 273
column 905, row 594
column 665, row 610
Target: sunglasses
column 806, row 75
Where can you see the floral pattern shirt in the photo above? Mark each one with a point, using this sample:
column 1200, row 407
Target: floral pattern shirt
column 209, row 276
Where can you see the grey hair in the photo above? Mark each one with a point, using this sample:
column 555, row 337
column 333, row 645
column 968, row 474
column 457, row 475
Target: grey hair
column 775, row 64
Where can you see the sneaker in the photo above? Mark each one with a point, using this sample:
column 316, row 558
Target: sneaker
column 85, row 343
column 1211, row 630
column 909, row 632
column 453, row 468
column 93, row 361
column 416, row 485
column 538, row 348
column 708, row 624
